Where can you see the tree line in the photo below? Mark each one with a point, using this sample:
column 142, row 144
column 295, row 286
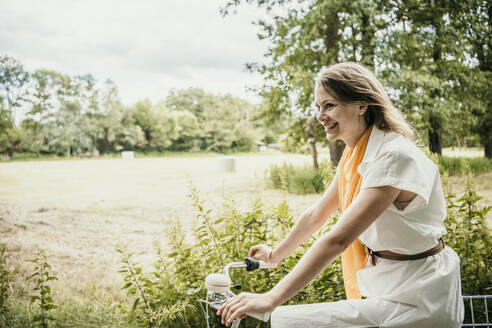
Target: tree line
column 434, row 56
column 48, row 112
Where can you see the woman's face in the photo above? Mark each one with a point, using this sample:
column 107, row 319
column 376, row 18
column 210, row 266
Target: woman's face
column 341, row 121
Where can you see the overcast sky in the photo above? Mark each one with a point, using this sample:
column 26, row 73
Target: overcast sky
column 146, row 47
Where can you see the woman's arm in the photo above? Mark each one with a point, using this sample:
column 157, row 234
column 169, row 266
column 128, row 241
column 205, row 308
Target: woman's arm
column 366, row 208
column 311, row 220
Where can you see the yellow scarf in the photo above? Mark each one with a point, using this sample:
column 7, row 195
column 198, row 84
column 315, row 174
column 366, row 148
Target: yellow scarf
column 349, row 182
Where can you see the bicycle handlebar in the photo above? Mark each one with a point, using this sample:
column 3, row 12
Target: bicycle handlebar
column 250, row 264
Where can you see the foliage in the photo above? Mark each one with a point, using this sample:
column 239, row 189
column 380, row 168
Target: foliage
column 42, row 277
column 76, row 115
column 168, row 294
column 138, row 286
column 90, row 310
column 301, row 180
column 13, row 79
column 462, row 166
column 176, row 285
column 6, row 277
column 470, row 237
column 434, row 56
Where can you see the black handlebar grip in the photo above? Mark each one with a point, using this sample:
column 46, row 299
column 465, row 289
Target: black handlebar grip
column 251, row 263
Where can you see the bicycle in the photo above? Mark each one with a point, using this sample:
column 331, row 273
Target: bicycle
column 218, row 287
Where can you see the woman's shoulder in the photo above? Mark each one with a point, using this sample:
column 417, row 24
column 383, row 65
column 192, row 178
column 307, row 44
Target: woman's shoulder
column 399, row 145
column 404, row 150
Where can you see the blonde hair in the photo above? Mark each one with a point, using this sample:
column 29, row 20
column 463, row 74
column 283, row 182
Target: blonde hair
column 351, row 82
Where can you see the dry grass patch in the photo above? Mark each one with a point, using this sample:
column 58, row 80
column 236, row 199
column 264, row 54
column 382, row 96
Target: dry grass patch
column 79, row 210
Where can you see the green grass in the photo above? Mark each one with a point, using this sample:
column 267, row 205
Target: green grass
column 464, row 165
column 301, row 179
column 89, row 311
column 26, row 157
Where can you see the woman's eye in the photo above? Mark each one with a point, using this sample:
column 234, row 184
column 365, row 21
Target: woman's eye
column 329, row 105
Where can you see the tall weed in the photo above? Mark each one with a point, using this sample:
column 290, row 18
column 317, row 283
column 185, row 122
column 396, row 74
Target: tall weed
column 470, row 237
column 5, row 284
column 167, row 294
column 220, row 238
column 42, row 276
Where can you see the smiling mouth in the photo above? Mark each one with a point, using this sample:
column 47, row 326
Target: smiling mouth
column 330, row 127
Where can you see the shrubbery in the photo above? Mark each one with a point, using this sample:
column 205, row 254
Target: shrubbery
column 470, row 237
column 168, row 294
column 301, row 180
column 305, row 179
column 462, row 166
column 172, row 290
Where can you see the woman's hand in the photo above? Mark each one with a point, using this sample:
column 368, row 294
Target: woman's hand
column 243, row 303
column 260, row 252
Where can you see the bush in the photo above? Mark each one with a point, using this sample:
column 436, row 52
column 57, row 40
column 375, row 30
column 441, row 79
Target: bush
column 479, row 165
column 470, row 237
column 175, row 286
column 301, row 180
column 5, row 283
column 461, row 166
column 168, row 295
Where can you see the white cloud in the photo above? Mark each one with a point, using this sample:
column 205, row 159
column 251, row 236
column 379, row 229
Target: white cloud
column 147, row 47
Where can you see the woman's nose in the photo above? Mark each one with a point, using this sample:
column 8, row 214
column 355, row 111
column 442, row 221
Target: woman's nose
column 321, row 116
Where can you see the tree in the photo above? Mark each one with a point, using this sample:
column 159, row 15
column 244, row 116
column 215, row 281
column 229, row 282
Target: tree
column 475, row 20
column 427, row 63
column 10, row 136
column 306, row 36
column 193, row 100
column 187, row 129
column 223, row 121
column 158, row 126
column 13, row 80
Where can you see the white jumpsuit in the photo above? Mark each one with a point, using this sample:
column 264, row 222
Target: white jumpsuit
column 419, row 293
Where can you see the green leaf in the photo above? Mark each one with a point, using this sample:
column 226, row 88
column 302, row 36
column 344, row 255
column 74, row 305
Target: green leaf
column 135, row 304
column 128, row 284
column 50, row 307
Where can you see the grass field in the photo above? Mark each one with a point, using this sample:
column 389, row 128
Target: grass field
column 78, row 210
column 462, row 152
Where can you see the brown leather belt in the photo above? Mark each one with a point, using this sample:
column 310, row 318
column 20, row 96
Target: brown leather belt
column 389, row 255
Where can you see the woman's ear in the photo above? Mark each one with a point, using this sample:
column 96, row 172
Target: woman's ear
column 362, row 109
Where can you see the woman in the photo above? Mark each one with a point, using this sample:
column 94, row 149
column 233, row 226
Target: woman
column 390, row 197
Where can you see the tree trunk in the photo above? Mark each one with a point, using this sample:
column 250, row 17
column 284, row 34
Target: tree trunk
column 485, row 131
column 312, row 142
column 435, row 144
column 332, row 37
column 488, row 148
column 336, row 151
column 367, row 48
column 435, row 132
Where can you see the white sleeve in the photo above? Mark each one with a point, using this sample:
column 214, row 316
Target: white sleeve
column 402, row 171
